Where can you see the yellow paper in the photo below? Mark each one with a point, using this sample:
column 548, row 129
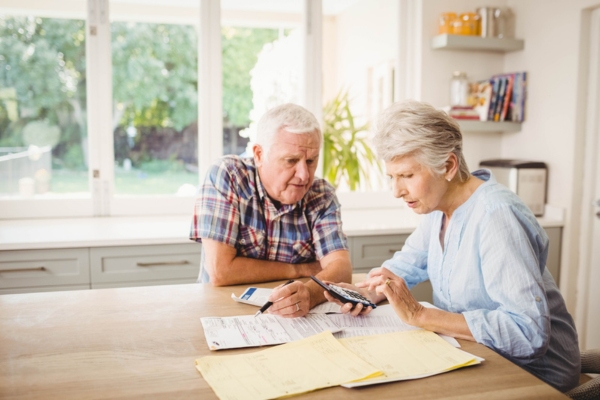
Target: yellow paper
column 407, row 355
column 316, row 362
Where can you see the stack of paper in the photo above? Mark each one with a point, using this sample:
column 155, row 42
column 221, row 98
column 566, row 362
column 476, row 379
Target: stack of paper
column 322, row 361
column 316, row 362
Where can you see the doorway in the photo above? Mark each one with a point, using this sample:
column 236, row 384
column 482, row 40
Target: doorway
column 588, row 298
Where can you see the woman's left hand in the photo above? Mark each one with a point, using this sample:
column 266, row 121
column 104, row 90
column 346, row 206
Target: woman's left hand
column 384, row 282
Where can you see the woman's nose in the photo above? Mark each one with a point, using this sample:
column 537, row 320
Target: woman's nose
column 398, row 189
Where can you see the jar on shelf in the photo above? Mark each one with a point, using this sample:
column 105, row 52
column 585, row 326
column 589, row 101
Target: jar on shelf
column 470, row 23
column 504, row 20
column 459, row 89
column 445, row 22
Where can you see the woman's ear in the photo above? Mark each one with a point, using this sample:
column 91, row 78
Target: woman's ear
column 451, row 167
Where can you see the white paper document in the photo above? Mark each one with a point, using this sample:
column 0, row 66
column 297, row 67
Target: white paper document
column 249, row 331
column 381, row 320
column 253, row 296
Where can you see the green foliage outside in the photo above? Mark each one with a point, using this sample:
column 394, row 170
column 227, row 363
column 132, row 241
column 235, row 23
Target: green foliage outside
column 346, row 152
column 155, row 87
column 240, row 53
column 42, row 64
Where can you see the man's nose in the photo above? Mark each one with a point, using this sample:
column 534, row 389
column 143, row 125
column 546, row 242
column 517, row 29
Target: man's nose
column 302, row 172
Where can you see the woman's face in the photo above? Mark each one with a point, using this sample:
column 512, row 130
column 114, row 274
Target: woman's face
column 422, row 191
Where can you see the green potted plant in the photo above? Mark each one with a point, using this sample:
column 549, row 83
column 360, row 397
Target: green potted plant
column 346, row 151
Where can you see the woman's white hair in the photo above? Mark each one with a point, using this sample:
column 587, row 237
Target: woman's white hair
column 416, row 128
column 291, row 117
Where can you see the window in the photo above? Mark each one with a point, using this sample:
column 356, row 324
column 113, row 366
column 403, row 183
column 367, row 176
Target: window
column 262, row 53
column 43, row 124
column 155, row 108
column 117, row 107
column 359, row 52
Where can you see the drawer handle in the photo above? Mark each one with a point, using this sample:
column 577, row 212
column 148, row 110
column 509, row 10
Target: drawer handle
column 158, row 264
column 23, row 269
column 392, row 251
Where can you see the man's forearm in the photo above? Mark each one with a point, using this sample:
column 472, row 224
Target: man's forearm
column 249, row 270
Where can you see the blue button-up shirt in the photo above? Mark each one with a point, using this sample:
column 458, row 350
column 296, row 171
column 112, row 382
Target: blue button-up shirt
column 492, row 269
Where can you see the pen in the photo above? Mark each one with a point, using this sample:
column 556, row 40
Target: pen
column 269, row 303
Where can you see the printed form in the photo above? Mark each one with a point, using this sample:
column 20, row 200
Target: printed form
column 249, row 331
column 316, row 362
column 407, row 355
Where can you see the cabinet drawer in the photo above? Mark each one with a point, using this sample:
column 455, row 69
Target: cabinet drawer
column 144, row 263
column 371, row 251
column 43, row 268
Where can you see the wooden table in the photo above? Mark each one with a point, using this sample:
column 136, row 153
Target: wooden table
column 142, row 342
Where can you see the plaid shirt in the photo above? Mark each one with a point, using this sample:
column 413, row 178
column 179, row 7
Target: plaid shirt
column 234, row 209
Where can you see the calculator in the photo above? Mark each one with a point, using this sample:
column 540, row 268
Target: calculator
column 344, row 295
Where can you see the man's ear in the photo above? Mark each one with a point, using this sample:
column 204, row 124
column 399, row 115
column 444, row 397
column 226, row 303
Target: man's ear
column 258, row 153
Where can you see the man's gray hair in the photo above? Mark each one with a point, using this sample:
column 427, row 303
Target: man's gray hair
column 292, row 117
column 416, row 128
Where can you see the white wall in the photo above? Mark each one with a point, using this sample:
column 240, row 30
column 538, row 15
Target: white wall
column 365, row 35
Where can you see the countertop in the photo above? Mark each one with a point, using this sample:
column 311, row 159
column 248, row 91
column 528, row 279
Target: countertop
column 29, row 234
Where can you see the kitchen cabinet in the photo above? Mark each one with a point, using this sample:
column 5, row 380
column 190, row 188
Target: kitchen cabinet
column 44, row 270
column 144, row 265
column 23, row 271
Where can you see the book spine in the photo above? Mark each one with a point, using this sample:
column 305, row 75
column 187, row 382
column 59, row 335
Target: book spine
column 514, row 102
column 494, row 82
column 510, row 81
column 523, row 96
column 499, row 102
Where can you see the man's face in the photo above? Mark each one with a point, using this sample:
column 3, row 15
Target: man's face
column 287, row 170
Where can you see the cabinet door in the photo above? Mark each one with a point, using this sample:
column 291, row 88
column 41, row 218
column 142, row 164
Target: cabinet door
column 44, row 270
column 369, row 252
column 141, row 265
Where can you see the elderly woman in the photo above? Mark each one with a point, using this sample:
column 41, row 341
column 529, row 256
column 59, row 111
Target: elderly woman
column 479, row 245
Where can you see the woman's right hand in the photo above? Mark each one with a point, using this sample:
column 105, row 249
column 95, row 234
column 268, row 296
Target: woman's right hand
column 349, row 308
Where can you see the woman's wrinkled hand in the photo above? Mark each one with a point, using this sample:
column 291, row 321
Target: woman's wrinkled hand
column 394, row 288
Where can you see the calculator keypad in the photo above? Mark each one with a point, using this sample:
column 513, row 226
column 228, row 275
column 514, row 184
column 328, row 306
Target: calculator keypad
column 350, row 294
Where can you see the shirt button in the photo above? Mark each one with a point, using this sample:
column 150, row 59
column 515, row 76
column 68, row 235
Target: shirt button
column 537, row 298
column 243, row 241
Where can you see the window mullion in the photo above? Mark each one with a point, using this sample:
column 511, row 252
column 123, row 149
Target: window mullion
column 210, row 92
column 99, row 105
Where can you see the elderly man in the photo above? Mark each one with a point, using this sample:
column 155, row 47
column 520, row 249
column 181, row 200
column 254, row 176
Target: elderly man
column 267, row 218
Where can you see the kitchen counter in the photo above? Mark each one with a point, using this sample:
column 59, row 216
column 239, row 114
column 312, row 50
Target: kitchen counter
column 131, row 231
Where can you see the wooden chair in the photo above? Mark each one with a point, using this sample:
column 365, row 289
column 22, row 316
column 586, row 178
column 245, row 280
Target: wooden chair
column 590, row 390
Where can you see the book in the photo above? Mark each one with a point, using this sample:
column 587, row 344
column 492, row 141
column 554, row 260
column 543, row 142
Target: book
column 500, row 98
column 507, row 97
column 483, row 97
column 495, row 82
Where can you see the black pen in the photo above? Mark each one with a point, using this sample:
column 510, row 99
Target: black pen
column 269, row 303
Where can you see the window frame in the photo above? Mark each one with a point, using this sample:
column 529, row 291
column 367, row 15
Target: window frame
column 101, row 200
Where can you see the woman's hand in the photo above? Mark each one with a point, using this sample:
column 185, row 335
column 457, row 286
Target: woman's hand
column 349, row 308
column 394, row 288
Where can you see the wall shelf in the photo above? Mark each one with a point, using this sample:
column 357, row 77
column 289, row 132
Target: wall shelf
column 488, row 126
column 464, row 42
